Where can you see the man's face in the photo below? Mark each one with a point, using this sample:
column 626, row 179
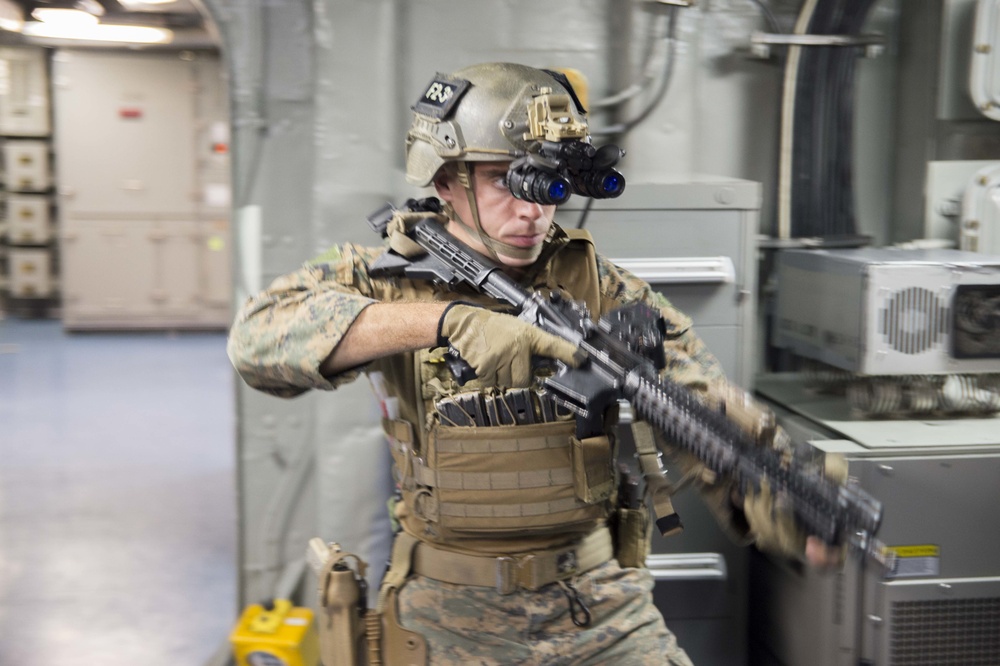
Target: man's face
column 503, row 216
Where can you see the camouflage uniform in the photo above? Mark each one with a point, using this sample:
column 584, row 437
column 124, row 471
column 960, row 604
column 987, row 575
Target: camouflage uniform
column 277, row 344
column 475, row 625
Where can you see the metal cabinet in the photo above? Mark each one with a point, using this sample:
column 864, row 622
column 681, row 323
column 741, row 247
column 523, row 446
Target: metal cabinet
column 24, row 93
column 29, row 219
column 940, row 604
column 694, row 241
column 151, row 273
column 145, row 242
column 26, row 165
column 30, row 272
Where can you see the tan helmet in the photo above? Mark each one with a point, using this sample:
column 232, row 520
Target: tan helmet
column 488, row 112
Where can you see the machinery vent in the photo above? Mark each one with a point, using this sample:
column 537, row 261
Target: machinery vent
column 952, row 632
column 913, row 320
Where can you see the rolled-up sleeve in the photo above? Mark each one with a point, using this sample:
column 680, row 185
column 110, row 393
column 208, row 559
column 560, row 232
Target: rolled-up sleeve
column 281, row 336
column 689, row 361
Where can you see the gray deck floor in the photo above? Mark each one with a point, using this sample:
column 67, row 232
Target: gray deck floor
column 117, row 501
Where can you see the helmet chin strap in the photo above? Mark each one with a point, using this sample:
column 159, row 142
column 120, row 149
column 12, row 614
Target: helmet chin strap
column 495, row 247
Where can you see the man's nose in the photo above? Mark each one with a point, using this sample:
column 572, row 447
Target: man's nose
column 528, row 210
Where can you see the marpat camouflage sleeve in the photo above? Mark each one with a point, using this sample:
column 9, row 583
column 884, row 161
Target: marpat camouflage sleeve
column 281, row 336
column 689, row 362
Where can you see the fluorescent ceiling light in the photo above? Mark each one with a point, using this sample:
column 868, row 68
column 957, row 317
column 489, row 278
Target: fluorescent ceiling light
column 64, row 16
column 133, row 34
column 11, row 16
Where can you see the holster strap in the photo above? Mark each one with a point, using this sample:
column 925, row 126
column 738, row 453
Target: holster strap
column 529, row 571
column 659, row 487
column 399, row 567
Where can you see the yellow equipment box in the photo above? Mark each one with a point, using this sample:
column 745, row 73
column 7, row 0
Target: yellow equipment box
column 283, row 636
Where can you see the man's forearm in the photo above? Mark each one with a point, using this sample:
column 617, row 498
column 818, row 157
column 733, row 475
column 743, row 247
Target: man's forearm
column 383, row 329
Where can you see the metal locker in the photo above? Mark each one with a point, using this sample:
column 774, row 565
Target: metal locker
column 693, row 241
column 27, row 165
column 24, row 100
column 29, row 219
column 30, row 272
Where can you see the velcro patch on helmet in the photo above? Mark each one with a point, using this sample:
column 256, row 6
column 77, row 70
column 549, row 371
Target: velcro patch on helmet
column 440, row 96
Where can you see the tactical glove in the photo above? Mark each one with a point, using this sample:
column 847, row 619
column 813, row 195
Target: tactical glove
column 773, row 524
column 499, row 346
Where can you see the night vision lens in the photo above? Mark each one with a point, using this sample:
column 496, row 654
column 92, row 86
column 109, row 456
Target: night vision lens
column 558, row 190
column 613, row 184
column 537, row 185
column 602, row 184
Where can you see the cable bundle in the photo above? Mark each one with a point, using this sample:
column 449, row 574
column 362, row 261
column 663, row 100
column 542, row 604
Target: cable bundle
column 821, row 188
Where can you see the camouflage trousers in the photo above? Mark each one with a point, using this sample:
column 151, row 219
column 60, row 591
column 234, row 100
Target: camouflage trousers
column 467, row 625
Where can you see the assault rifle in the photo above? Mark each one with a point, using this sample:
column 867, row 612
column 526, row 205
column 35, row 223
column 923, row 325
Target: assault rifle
column 623, row 355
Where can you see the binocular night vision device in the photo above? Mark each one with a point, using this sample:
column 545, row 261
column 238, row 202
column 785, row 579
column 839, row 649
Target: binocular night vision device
column 561, row 168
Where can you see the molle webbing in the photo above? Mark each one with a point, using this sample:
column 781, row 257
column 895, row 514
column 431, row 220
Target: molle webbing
column 456, row 510
column 500, row 445
column 539, row 478
column 503, row 480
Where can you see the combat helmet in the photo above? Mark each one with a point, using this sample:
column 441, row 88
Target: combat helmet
column 506, row 112
column 481, row 114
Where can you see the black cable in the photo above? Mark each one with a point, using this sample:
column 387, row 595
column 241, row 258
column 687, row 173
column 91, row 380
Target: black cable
column 840, row 131
column 853, row 25
column 820, row 147
column 842, row 175
column 586, row 211
column 822, row 202
column 804, row 90
column 824, row 144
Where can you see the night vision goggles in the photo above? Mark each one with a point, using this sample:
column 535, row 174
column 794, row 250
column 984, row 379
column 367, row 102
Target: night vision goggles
column 562, row 162
column 557, row 170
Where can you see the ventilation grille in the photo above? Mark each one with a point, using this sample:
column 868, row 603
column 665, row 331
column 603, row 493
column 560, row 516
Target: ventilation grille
column 913, row 320
column 952, row 632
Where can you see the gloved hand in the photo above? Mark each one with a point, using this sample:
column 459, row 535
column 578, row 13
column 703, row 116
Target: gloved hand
column 499, row 346
column 775, row 530
column 773, row 526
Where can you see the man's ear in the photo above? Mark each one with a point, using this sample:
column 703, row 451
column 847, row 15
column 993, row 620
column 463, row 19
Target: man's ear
column 444, row 185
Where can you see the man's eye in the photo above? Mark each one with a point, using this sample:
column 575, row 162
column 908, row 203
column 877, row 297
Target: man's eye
column 501, row 181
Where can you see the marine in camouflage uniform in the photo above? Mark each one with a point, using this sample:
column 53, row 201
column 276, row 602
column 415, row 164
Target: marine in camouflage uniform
column 280, row 341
